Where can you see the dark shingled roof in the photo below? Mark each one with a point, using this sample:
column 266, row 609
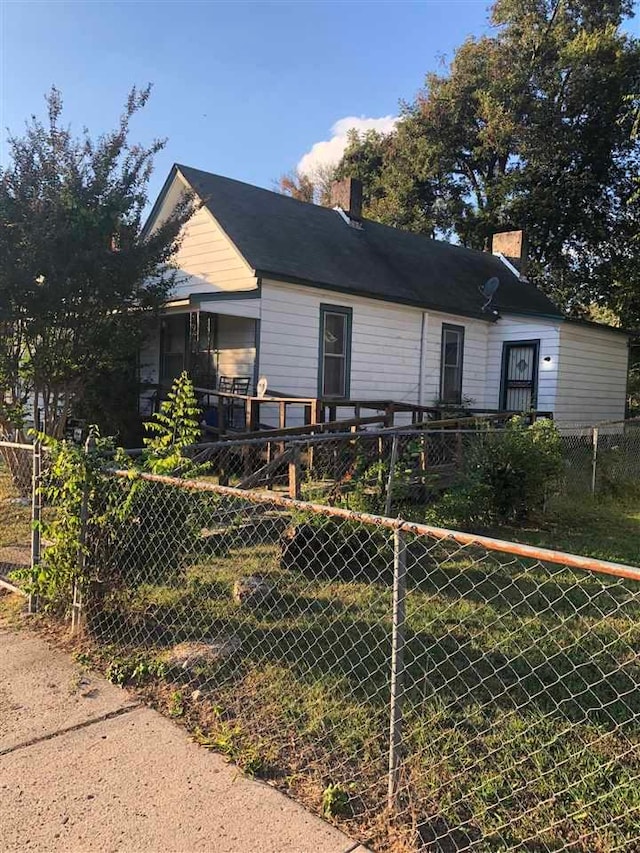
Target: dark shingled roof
column 290, row 240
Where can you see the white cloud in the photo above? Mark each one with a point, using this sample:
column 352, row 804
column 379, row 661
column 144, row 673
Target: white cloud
column 329, row 151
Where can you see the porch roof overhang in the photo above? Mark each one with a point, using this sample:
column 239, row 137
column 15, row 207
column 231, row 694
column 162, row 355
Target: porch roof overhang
column 239, row 303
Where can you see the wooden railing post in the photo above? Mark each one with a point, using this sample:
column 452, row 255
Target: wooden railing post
column 295, row 490
column 392, row 469
column 424, row 455
column 223, row 468
column 459, row 447
column 282, row 422
column 220, row 415
column 249, row 415
column 389, row 411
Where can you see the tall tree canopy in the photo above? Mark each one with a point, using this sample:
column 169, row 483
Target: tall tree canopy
column 314, row 188
column 77, row 282
column 531, row 127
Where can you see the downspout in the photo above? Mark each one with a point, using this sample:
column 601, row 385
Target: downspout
column 423, row 339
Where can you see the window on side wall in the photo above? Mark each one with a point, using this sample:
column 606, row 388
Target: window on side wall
column 334, row 365
column 452, row 351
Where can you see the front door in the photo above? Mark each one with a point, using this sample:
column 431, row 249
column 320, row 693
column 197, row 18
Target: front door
column 520, row 376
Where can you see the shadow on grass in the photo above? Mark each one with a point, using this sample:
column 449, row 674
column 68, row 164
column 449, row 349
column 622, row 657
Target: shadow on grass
column 606, row 528
column 577, row 673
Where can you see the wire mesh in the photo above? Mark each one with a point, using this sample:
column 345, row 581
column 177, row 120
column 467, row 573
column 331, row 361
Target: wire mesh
column 334, row 467
column 603, row 459
column 16, row 472
column 347, row 469
column 273, row 627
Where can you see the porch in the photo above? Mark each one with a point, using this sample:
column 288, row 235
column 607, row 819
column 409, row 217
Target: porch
column 209, row 345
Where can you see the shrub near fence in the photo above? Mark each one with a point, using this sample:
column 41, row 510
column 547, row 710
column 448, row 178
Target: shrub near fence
column 432, row 690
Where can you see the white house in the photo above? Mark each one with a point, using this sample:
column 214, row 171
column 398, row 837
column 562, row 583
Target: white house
column 325, row 303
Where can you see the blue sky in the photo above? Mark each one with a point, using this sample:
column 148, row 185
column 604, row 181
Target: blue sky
column 243, row 89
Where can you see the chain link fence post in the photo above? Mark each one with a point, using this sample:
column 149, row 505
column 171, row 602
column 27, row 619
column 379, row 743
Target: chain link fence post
column 397, row 665
column 36, row 518
column 77, row 606
column 594, row 461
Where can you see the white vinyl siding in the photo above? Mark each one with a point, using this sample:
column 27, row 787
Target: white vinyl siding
column 385, row 343
column 510, row 329
column 474, row 358
column 207, row 260
column 593, row 375
column 385, row 348
column 236, row 351
column 231, row 307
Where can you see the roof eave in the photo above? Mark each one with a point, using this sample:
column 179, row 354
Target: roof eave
column 320, row 285
column 158, row 202
column 576, row 321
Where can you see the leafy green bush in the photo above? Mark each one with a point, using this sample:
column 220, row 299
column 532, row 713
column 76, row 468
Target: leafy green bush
column 175, row 427
column 69, row 486
column 506, row 476
column 136, row 530
column 336, row 800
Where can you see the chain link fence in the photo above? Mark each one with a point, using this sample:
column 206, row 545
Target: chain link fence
column 432, row 690
column 331, row 467
column 422, row 463
column 603, row 459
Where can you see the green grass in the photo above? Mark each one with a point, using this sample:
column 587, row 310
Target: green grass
column 522, row 699
column 607, row 528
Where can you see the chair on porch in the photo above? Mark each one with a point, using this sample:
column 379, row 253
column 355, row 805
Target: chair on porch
column 234, row 410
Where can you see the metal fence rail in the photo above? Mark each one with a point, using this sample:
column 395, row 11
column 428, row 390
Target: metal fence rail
column 435, row 690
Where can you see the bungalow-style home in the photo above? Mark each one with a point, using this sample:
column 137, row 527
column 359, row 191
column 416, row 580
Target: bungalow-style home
column 324, row 303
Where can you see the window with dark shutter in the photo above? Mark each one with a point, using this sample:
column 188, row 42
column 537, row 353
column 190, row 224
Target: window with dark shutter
column 335, row 351
column 452, row 351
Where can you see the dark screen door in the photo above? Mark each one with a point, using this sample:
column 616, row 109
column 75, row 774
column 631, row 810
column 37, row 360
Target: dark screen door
column 520, row 376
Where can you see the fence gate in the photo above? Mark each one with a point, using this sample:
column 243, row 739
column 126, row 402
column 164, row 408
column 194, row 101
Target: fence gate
column 19, row 508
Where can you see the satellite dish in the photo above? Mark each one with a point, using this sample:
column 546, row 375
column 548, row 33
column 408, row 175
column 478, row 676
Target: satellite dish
column 261, row 387
column 488, row 290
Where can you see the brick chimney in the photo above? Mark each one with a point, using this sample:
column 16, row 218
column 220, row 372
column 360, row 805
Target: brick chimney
column 347, row 195
column 512, row 245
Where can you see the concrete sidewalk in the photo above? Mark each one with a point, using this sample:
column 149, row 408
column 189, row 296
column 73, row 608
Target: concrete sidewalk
column 83, row 767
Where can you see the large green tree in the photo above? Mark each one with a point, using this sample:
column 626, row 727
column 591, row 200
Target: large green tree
column 78, row 281
column 530, row 127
